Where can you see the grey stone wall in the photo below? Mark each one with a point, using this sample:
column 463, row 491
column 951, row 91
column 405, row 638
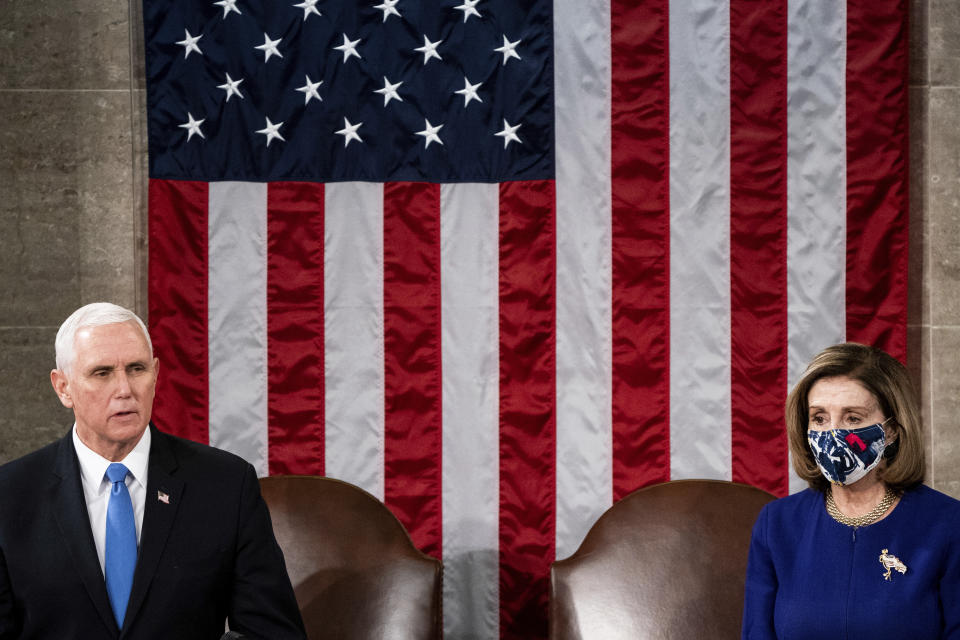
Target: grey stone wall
column 71, row 190
column 73, row 211
column 935, row 221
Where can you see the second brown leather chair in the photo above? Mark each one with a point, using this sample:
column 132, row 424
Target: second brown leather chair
column 666, row 562
column 355, row 572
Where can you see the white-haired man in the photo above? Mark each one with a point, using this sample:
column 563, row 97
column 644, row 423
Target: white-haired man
column 119, row 530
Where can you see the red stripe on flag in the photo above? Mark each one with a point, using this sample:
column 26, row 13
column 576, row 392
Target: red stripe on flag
column 877, row 190
column 411, row 319
column 527, row 405
column 178, row 305
column 758, row 242
column 295, row 390
column 640, row 156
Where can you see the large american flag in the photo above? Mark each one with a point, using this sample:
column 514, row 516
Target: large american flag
column 501, row 262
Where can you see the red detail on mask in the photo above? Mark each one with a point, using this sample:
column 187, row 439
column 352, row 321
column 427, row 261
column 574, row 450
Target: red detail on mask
column 854, row 441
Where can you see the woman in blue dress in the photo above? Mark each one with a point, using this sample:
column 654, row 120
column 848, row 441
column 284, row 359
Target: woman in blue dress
column 867, row 552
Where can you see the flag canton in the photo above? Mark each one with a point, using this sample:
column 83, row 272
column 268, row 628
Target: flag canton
column 337, row 90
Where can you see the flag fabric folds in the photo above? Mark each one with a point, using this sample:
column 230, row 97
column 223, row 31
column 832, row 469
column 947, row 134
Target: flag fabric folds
column 502, row 262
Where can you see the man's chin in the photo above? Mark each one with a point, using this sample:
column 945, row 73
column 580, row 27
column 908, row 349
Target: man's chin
column 126, row 431
column 115, row 439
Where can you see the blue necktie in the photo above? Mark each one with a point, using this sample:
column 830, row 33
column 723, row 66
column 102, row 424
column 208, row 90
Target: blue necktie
column 120, row 556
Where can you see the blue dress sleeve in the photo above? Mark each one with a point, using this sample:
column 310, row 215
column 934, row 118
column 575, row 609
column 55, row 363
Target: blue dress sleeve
column 760, row 590
column 950, row 583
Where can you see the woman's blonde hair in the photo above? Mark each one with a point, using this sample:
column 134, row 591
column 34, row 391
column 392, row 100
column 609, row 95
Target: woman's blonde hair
column 888, row 380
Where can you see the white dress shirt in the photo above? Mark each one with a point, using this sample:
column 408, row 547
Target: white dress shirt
column 96, row 486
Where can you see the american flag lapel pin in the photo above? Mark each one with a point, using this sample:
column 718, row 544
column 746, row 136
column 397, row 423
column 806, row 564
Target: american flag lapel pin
column 163, row 497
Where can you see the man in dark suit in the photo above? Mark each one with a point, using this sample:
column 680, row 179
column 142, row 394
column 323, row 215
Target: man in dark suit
column 119, row 530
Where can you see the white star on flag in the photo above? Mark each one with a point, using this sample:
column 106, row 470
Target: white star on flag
column 509, row 134
column 272, row 131
column 389, row 7
column 189, row 43
column 310, row 90
column 468, row 8
column 430, row 133
column 228, row 6
column 389, row 91
column 429, row 49
column 308, row 6
column 269, row 47
column 231, row 87
column 469, row 92
column 349, row 48
column 349, row 132
column 192, row 126
column 508, row 49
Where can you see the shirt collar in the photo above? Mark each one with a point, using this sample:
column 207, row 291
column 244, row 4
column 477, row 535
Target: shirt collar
column 93, row 466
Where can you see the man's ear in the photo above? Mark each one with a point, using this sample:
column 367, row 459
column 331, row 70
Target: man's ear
column 61, row 385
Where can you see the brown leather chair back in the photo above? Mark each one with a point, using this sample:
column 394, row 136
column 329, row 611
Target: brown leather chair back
column 354, row 570
column 666, row 562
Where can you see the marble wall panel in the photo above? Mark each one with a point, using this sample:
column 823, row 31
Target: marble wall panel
column 138, row 100
column 65, row 203
column 918, row 308
column 945, row 425
column 917, row 303
column 139, row 188
column 941, row 292
column 32, row 416
column 918, row 348
column 919, row 25
column 39, row 200
column 64, row 44
column 943, row 206
column 943, row 44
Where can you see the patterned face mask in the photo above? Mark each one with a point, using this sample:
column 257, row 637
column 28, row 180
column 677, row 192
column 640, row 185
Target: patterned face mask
column 846, row 455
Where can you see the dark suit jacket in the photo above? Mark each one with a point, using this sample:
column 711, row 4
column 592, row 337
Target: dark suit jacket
column 206, row 554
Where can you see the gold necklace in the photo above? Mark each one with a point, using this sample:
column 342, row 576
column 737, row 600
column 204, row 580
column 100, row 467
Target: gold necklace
column 861, row 521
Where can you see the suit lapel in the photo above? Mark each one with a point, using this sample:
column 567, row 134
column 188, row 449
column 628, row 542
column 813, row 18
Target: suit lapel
column 70, row 511
column 162, row 501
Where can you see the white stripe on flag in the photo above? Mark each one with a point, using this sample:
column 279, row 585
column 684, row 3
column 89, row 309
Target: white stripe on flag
column 353, row 333
column 584, row 474
column 700, row 406
column 816, row 182
column 471, row 468
column 237, row 320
